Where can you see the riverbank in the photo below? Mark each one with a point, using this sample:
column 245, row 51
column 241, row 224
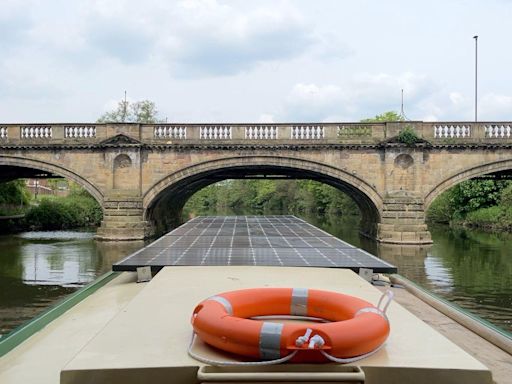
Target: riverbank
column 55, row 213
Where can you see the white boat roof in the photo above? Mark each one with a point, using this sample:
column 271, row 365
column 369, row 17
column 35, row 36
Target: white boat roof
column 149, row 338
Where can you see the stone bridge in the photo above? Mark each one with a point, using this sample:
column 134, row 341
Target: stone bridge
column 142, row 175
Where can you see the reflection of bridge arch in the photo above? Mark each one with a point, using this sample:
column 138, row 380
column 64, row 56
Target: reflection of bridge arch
column 498, row 166
column 172, row 192
column 13, row 161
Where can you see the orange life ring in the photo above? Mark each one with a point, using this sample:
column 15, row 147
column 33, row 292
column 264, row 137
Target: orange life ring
column 356, row 326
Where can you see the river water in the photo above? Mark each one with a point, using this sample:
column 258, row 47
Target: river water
column 471, row 268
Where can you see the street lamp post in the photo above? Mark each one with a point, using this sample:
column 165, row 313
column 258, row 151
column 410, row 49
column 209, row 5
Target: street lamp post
column 476, row 77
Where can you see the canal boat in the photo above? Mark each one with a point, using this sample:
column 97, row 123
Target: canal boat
column 121, row 330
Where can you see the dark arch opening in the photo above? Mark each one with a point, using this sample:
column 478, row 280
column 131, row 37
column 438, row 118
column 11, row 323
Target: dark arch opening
column 164, row 211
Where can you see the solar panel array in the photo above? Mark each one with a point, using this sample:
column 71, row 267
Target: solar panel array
column 251, row 240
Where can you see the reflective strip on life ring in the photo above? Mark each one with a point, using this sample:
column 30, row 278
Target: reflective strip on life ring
column 224, row 321
column 299, row 305
column 270, row 340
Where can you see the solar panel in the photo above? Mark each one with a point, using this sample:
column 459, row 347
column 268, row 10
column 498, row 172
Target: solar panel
column 251, row 240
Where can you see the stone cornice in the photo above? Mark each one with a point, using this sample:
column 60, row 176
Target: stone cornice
column 256, row 146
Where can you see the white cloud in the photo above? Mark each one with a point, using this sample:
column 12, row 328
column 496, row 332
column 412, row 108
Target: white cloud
column 312, row 102
column 273, row 60
column 495, row 107
column 266, row 118
column 363, row 96
column 209, row 38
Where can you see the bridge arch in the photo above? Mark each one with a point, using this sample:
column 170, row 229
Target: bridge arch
column 172, row 192
column 459, row 177
column 14, row 161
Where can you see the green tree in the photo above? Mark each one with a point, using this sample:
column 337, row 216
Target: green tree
column 471, row 195
column 14, row 193
column 143, row 111
column 384, row 117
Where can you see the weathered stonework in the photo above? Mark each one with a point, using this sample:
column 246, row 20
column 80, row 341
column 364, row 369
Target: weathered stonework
column 142, row 175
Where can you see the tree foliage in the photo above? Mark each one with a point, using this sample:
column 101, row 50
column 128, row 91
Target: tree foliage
column 388, row 116
column 14, row 193
column 471, row 195
column 143, row 112
column 270, row 197
column 75, row 211
column 480, row 203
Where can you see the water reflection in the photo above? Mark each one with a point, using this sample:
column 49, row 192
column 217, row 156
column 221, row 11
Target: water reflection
column 38, row 268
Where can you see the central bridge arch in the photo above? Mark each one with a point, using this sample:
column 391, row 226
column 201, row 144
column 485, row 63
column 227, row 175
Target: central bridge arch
column 163, row 202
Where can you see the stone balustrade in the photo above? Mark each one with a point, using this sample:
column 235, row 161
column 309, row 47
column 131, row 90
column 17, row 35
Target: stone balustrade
column 262, row 132
column 36, row 132
column 437, row 133
column 80, row 131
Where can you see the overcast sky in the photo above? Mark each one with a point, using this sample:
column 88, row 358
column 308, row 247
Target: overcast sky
column 255, row 61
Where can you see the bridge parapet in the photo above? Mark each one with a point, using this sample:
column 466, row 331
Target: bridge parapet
column 467, row 132
column 437, row 133
column 326, row 133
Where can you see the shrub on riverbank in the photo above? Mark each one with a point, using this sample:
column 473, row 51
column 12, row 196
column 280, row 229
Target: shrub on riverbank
column 485, row 204
column 73, row 211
